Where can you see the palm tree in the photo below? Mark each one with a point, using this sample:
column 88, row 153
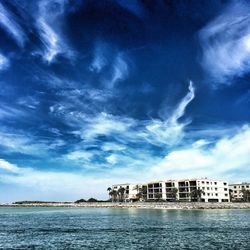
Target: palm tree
column 114, row 194
column 158, row 196
column 196, row 194
column 111, row 194
column 246, row 194
column 109, row 190
column 121, row 192
column 231, row 194
column 173, row 193
column 138, row 192
column 144, row 191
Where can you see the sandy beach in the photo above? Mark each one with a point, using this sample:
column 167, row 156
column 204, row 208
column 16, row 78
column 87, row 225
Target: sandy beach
column 142, row 205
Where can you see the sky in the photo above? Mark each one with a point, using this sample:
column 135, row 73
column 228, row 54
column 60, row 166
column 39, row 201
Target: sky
column 95, row 93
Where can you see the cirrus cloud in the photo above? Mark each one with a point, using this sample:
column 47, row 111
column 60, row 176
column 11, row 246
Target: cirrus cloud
column 226, row 43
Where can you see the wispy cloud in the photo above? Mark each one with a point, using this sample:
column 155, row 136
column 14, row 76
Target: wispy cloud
column 9, row 22
column 50, row 32
column 105, row 124
column 169, row 131
column 134, row 7
column 7, row 111
column 50, row 41
column 4, row 62
column 79, row 155
column 99, row 57
column 120, row 70
column 126, row 129
column 226, row 43
column 27, row 144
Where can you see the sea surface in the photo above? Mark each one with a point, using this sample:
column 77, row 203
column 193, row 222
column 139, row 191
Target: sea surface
column 107, row 228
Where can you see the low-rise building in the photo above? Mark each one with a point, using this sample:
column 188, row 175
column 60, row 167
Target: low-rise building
column 203, row 189
column 186, row 190
column 236, row 190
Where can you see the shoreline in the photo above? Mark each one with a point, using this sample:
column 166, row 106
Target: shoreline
column 139, row 205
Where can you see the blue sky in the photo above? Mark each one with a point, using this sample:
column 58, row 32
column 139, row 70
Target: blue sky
column 94, row 93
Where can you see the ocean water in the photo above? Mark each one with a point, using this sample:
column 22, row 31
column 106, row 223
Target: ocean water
column 107, row 228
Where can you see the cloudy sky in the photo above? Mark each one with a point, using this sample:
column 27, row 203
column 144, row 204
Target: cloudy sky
column 94, row 93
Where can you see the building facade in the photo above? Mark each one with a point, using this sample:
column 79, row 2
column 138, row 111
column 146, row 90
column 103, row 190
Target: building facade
column 186, row 190
column 203, row 190
column 236, row 190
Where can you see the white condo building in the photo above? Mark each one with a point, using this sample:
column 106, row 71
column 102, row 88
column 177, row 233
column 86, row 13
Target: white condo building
column 237, row 190
column 212, row 190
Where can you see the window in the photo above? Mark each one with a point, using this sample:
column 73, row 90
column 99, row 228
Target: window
column 207, row 188
column 207, row 182
column 203, row 188
column 226, row 194
column 216, row 189
column 235, row 191
column 225, row 189
column 247, row 186
column 202, row 182
column 216, row 194
column 215, row 183
column 225, row 183
column 235, row 187
column 242, row 186
column 208, row 194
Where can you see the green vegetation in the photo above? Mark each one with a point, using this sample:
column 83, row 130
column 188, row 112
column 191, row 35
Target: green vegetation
column 80, row 201
column 246, row 195
column 173, row 193
column 196, row 194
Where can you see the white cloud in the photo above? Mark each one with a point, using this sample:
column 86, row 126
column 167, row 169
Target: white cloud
column 100, row 57
column 111, row 146
column 50, row 14
column 227, row 158
column 79, row 155
column 169, row 131
column 180, row 110
column 226, row 43
column 112, row 159
column 7, row 111
column 50, row 41
column 4, row 62
column 105, row 124
column 120, row 70
column 134, row 7
column 54, row 185
column 5, row 165
column 27, row 144
column 126, row 129
column 9, row 23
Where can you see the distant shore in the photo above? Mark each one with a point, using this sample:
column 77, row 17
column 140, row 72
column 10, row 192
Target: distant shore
column 142, row 205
